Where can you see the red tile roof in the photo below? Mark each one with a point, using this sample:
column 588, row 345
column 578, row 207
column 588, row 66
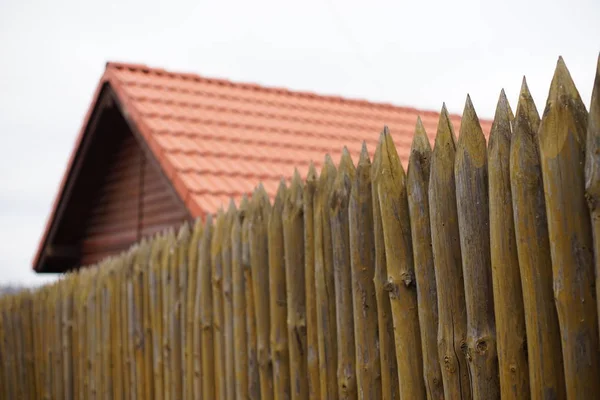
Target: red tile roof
column 217, row 139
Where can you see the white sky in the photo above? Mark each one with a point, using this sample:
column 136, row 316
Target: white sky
column 415, row 53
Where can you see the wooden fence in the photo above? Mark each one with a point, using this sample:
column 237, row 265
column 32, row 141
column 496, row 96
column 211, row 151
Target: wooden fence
column 472, row 276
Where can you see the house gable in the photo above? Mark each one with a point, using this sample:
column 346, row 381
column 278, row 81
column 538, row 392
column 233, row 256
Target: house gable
column 114, row 193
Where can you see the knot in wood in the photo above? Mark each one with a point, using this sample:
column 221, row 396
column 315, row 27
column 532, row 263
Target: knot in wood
column 408, row 279
column 481, row 346
column 449, row 364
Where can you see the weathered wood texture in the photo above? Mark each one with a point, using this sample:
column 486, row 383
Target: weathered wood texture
column 445, row 244
column 562, row 152
column 340, row 241
column 278, row 299
column 417, row 186
column 324, row 284
column 229, row 343
column 260, row 209
column 473, row 276
column 592, row 170
column 387, row 352
column 401, row 285
column 508, row 294
column 362, row 264
column 220, row 373
column 471, row 175
column 239, row 303
column 293, row 236
column 312, row 337
column 546, row 379
column 206, row 312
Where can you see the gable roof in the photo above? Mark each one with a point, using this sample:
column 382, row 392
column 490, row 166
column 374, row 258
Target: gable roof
column 215, row 139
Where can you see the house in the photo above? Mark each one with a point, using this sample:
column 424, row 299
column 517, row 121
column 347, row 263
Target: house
column 157, row 148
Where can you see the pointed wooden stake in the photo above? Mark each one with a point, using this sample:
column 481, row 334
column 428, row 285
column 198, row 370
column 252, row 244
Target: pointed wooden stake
column 445, row 241
column 170, row 344
column 401, row 285
column 312, row 340
column 239, row 303
column 259, row 260
column 338, row 203
column 562, row 153
column 193, row 360
column 362, row 263
column 470, row 170
column 508, row 295
column 220, row 375
column 293, row 236
column 592, row 170
column 389, row 367
column 324, row 283
column 251, row 335
column 228, row 300
column 279, row 337
column 417, row 186
column 180, row 271
column 206, row 310
column 138, row 278
column 533, row 248
column 155, row 320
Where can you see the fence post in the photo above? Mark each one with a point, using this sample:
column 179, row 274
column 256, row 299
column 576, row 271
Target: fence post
column 393, row 204
column 239, row 304
column 562, row 152
column 106, row 311
column 293, row 236
column 181, row 275
column 139, row 276
column 387, row 350
column 445, row 241
column 362, row 264
column 252, row 341
column 340, row 237
column 155, row 315
column 417, row 186
column 259, row 260
column 324, row 283
column 471, row 176
column 278, row 301
column 228, row 301
column 592, row 170
column 312, row 349
column 533, row 248
column 172, row 342
column 193, row 355
column 508, row 293
column 220, row 374
column 206, row 310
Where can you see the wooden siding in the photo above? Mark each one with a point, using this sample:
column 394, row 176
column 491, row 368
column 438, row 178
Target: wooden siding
column 133, row 201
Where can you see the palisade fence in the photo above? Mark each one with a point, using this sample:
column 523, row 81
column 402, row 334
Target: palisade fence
column 472, row 276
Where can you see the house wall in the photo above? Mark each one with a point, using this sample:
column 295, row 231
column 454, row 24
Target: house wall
column 133, row 201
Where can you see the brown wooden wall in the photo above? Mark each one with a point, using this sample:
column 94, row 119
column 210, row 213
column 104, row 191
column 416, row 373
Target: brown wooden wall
column 133, row 201
column 115, row 195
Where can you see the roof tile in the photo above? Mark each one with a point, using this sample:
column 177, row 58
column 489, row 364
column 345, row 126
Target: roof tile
column 217, row 139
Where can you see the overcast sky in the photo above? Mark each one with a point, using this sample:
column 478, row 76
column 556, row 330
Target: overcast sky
column 415, row 53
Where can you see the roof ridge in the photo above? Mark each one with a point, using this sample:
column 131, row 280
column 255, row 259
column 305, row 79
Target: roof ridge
column 264, row 87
